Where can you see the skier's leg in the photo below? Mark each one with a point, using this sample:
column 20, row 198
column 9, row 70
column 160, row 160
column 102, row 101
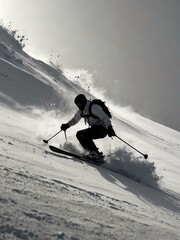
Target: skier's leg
column 86, row 137
column 80, row 137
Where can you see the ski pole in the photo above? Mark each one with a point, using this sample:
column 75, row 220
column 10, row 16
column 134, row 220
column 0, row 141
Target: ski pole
column 46, row 141
column 65, row 135
column 145, row 155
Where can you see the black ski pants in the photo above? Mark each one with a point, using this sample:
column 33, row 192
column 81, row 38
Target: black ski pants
column 87, row 135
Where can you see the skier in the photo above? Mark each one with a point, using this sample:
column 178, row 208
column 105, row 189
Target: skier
column 99, row 122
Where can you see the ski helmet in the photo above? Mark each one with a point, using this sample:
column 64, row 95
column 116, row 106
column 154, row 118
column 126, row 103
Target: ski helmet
column 80, row 100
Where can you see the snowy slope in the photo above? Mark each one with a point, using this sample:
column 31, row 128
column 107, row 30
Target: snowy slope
column 46, row 196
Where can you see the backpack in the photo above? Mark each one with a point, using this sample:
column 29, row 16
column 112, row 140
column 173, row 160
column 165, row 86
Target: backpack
column 102, row 105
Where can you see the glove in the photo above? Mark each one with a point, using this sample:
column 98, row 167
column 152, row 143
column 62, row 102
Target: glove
column 65, row 126
column 111, row 132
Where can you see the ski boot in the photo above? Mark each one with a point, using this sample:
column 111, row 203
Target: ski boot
column 95, row 156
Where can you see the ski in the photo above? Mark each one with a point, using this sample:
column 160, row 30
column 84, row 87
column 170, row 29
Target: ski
column 70, row 154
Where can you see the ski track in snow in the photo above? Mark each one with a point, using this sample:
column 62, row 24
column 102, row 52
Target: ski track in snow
column 49, row 196
column 54, row 208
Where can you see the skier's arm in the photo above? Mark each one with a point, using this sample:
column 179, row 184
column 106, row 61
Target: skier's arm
column 75, row 119
column 98, row 112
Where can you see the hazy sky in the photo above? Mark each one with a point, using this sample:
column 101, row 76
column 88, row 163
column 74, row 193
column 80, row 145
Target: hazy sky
column 131, row 46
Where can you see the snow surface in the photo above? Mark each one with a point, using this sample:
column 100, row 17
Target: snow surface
column 44, row 195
